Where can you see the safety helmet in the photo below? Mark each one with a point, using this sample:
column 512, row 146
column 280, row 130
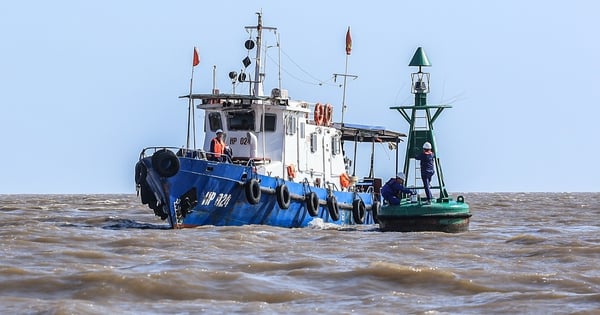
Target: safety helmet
column 401, row 176
column 427, row 145
column 219, row 131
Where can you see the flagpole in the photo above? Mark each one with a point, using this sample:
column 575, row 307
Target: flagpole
column 344, row 90
column 187, row 146
column 191, row 123
column 190, row 110
column 345, row 75
column 193, row 110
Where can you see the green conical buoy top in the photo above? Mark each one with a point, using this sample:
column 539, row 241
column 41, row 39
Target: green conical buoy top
column 419, row 59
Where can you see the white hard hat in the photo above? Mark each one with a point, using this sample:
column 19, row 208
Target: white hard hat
column 401, row 176
column 219, row 131
column 427, row 145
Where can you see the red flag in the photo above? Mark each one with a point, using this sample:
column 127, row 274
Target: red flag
column 196, row 58
column 348, row 42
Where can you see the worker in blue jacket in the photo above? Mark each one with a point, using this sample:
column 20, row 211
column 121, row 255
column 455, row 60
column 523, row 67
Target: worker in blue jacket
column 392, row 189
column 427, row 169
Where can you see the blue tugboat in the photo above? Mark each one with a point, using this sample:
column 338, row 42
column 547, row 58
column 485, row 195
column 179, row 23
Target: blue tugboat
column 415, row 214
column 287, row 168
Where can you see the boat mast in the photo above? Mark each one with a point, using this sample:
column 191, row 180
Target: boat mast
column 258, row 89
column 258, row 75
column 421, row 121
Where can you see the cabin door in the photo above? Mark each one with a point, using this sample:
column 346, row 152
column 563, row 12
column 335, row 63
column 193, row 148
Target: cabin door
column 303, row 150
column 326, row 157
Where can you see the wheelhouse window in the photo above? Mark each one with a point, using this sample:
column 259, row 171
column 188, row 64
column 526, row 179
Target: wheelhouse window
column 240, row 120
column 313, row 142
column 270, row 122
column 336, row 145
column 290, row 125
column 214, row 121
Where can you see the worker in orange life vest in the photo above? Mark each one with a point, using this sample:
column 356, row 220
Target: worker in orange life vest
column 217, row 147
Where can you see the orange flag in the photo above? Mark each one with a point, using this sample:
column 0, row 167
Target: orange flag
column 348, row 42
column 196, row 58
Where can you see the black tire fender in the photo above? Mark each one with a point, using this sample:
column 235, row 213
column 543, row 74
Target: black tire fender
column 283, row 196
column 375, row 210
column 147, row 196
column 165, row 163
column 358, row 211
column 140, row 173
column 332, row 206
column 252, row 189
column 312, row 203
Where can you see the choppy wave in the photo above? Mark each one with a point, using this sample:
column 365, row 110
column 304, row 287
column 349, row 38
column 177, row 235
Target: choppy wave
column 528, row 253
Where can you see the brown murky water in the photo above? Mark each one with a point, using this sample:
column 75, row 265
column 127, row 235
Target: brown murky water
column 525, row 253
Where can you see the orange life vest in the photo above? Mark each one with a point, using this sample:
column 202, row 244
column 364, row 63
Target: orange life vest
column 217, row 147
column 291, row 170
column 344, row 180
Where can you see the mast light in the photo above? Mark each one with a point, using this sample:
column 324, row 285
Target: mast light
column 420, row 80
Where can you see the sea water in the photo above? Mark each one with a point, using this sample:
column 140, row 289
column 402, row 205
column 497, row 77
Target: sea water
column 525, row 253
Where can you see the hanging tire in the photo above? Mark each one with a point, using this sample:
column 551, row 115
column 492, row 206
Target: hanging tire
column 332, row 206
column 312, row 203
column 165, row 163
column 358, row 211
column 146, row 195
column 252, row 189
column 375, row 210
column 140, row 173
column 283, row 196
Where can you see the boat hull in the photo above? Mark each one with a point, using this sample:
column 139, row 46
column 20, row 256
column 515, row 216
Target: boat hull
column 446, row 216
column 205, row 192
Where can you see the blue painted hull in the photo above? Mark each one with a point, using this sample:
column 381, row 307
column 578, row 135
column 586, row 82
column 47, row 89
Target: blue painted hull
column 205, row 192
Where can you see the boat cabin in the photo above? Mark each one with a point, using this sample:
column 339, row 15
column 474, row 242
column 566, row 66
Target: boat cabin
column 294, row 140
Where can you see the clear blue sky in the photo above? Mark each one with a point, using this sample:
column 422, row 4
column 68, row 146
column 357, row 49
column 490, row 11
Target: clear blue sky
column 85, row 85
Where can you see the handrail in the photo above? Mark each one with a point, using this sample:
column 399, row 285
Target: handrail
column 180, row 152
